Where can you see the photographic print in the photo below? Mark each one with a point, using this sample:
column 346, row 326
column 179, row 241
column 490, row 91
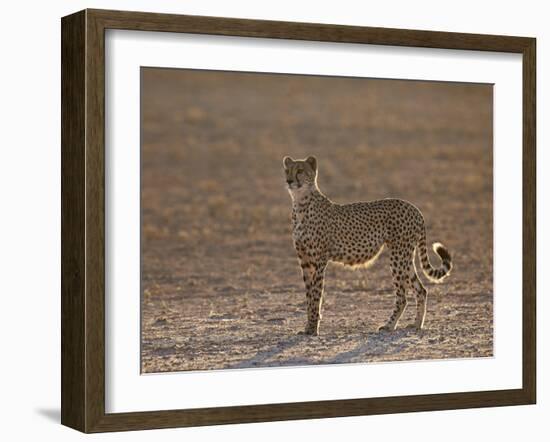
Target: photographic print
column 296, row 220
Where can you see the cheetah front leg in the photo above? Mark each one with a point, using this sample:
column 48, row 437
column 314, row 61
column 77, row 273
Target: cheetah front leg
column 314, row 275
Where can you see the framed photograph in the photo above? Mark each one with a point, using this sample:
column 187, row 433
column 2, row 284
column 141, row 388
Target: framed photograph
column 267, row 220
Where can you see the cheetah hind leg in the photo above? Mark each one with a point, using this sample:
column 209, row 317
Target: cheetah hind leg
column 401, row 264
column 421, row 301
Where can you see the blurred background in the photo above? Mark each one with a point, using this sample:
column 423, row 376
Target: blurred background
column 221, row 287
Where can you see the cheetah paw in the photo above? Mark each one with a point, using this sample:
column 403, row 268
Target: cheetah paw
column 308, row 333
column 386, row 328
column 413, row 327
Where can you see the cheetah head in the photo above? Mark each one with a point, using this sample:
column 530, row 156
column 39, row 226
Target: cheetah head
column 301, row 175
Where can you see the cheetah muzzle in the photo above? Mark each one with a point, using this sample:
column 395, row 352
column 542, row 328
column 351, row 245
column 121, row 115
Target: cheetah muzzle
column 355, row 235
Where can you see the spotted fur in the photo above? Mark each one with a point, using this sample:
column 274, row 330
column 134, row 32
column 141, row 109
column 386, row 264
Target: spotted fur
column 354, row 235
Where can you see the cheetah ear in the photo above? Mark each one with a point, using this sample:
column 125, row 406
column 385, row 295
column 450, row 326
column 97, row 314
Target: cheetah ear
column 312, row 161
column 287, row 161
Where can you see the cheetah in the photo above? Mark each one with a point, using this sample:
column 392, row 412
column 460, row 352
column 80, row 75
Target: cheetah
column 355, row 235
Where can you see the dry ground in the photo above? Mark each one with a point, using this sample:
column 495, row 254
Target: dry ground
column 221, row 287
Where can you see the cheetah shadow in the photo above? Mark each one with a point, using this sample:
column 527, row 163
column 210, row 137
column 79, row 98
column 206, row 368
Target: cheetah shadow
column 260, row 358
column 377, row 344
column 371, row 344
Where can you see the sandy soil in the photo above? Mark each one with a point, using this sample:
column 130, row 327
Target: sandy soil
column 221, row 287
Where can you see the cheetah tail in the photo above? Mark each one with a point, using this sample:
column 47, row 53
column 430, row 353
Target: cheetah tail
column 436, row 275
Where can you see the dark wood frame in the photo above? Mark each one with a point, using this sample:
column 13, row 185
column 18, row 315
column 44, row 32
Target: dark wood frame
column 83, row 217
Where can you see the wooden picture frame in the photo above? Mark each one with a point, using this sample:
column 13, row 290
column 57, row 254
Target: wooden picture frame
column 83, row 220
